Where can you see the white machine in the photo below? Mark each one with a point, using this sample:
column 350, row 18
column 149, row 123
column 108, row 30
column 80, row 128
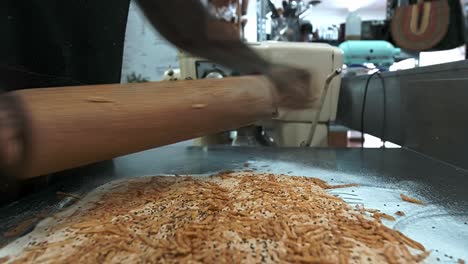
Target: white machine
column 289, row 128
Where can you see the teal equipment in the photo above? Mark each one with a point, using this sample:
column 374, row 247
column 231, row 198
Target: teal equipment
column 380, row 53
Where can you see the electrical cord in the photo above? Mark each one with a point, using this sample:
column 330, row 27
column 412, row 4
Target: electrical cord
column 384, row 106
column 308, row 142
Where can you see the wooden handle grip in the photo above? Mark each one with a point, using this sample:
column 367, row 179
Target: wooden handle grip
column 74, row 126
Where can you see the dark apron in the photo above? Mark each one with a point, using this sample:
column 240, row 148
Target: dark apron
column 47, row 43
column 61, row 43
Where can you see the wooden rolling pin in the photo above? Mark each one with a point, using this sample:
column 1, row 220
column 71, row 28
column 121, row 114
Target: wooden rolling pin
column 75, row 126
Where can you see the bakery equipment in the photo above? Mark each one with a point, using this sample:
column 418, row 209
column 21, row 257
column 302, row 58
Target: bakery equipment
column 380, row 53
column 425, row 109
column 290, row 127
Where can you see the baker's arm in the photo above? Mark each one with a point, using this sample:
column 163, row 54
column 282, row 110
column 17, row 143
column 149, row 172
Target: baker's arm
column 188, row 25
column 13, row 142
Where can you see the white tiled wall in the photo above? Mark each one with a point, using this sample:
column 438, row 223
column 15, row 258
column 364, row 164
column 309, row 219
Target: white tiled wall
column 146, row 53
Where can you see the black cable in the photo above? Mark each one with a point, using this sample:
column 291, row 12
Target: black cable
column 384, row 105
column 363, row 108
column 384, row 110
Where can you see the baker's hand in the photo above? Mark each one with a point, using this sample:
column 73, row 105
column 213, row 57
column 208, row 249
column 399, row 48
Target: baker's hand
column 292, row 86
column 12, row 144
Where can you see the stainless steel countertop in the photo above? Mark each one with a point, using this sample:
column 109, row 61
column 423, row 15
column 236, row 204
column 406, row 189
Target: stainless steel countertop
column 382, row 173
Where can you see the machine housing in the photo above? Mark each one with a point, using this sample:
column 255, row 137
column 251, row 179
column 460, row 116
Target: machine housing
column 289, row 128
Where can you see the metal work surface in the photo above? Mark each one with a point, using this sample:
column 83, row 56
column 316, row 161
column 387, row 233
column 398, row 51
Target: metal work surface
column 425, row 109
column 383, row 175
